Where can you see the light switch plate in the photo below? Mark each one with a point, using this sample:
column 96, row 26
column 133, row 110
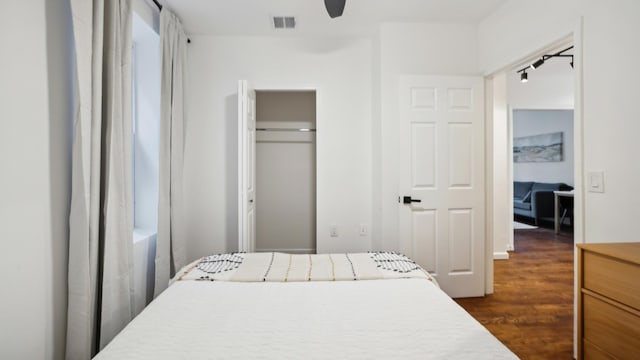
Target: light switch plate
column 595, row 181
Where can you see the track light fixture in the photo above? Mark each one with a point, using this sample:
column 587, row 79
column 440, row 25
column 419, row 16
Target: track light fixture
column 537, row 64
column 524, row 77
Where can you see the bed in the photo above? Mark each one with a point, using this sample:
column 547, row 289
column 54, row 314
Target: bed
column 281, row 306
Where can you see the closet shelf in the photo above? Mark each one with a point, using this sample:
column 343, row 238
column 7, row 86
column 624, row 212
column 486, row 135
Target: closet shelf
column 285, row 129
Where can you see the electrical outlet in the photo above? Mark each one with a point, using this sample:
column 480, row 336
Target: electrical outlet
column 364, row 231
column 333, row 230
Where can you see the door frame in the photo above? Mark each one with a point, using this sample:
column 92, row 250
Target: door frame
column 576, row 36
column 510, row 244
column 268, row 86
column 313, row 140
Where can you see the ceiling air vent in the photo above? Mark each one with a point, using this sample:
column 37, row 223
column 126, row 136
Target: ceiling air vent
column 284, row 22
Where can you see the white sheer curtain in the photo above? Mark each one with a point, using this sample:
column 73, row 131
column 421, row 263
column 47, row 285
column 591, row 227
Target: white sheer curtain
column 170, row 251
column 100, row 244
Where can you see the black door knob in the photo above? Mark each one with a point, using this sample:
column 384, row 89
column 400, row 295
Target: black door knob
column 409, row 200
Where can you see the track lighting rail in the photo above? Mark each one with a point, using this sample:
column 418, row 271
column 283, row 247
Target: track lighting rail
column 536, row 64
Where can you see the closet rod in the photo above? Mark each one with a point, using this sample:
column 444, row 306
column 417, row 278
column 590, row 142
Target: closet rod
column 284, row 129
column 160, row 8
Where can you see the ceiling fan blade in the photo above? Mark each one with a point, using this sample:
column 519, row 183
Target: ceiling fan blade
column 334, row 7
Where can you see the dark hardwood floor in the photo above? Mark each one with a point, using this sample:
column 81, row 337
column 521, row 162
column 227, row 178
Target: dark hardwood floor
column 531, row 309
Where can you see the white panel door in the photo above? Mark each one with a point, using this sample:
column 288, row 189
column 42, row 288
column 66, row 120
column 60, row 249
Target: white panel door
column 442, row 171
column 246, row 167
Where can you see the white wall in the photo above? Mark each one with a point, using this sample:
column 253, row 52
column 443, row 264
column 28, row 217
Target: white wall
column 340, row 70
column 519, row 29
column 536, row 122
column 550, row 86
column 611, row 117
column 35, row 115
column 285, row 192
column 419, row 49
column 377, row 242
column 610, row 51
column 499, row 195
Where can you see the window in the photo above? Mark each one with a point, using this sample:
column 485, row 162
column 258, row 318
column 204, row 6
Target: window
column 146, row 127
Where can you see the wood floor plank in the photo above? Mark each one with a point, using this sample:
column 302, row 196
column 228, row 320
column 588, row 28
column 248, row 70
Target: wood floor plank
column 531, row 309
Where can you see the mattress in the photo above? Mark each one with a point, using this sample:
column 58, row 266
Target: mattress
column 405, row 318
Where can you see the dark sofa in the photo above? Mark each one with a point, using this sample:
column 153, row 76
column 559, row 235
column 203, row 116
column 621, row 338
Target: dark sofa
column 535, row 199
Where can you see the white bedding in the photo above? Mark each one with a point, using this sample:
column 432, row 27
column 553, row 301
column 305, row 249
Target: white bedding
column 282, row 267
column 370, row 319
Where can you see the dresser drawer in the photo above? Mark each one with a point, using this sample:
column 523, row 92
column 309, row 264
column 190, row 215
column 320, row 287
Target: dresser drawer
column 592, row 352
column 613, row 330
column 612, row 278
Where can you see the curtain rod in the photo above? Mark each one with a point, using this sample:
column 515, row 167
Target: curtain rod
column 160, row 8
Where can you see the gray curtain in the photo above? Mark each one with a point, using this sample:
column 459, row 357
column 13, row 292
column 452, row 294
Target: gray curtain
column 100, row 244
column 170, row 250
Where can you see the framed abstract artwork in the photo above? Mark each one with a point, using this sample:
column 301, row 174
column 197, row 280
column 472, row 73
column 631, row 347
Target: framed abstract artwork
column 538, row 148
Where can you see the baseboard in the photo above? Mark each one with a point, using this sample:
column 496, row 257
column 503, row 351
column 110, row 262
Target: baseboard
column 501, row 255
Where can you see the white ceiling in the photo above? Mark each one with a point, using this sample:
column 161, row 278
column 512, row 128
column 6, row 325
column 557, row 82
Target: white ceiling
column 360, row 18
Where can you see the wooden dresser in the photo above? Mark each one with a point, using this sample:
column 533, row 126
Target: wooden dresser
column 609, row 301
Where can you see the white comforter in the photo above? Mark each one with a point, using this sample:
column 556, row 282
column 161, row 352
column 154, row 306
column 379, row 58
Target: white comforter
column 281, row 267
column 372, row 319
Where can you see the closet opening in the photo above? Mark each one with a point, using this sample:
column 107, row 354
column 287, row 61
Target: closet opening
column 285, row 171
